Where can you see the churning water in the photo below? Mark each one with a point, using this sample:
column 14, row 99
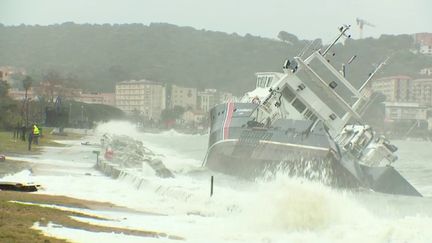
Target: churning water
column 281, row 210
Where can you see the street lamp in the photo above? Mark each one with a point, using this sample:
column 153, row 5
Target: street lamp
column 70, row 112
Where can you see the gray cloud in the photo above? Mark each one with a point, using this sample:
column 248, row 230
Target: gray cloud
column 307, row 18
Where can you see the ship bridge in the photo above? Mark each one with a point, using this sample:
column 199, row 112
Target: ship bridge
column 313, row 90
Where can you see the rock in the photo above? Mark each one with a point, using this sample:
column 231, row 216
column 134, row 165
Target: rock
column 2, row 157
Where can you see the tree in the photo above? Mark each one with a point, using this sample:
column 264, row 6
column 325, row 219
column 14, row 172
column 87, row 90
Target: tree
column 4, row 87
column 172, row 114
column 27, row 83
column 287, row 37
column 181, row 55
column 52, row 81
column 8, row 107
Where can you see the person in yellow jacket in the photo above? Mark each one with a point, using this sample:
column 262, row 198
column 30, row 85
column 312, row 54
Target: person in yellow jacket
column 36, row 134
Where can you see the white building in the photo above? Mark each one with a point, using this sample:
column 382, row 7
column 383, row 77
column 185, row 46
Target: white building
column 207, row 99
column 143, row 96
column 193, row 117
column 424, row 41
column 422, row 91
column 17, row 94
column 97, row 98
column 4, row 74
column 426, row 49
column 226, row 96
column 395, row 88
column 184, row 97
column 7, row 72
column 426, row 71
column 397, row 111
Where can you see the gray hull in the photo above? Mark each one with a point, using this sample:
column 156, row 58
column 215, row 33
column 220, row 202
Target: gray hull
column 287, row 146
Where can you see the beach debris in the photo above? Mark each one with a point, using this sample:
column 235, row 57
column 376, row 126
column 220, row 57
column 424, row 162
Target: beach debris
column 19, row 187
column 131, row 153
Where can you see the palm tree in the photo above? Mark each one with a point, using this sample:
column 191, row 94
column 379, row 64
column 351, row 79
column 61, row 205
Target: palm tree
column 27, row 83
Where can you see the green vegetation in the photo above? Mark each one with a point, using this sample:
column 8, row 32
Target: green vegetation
column 172, row 114
column 9, row 115
column 75, row 114
column 94, row 112
column 11, row 146
column 16, row 219
column 96, row 56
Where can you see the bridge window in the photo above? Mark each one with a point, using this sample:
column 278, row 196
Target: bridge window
column 298, row 105
column 264, row 81
column 309, row 115
column 268, row 82
column 288, row 94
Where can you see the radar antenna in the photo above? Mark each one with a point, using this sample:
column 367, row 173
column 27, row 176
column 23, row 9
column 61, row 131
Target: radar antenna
column 342, row 30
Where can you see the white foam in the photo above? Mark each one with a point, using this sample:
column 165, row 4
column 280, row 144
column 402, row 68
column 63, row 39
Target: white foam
column 282, row 210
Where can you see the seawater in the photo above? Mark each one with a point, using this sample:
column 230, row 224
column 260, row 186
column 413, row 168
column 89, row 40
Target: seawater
column 282, row 210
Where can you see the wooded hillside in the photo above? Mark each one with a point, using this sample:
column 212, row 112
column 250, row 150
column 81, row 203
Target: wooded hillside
column 94, row 57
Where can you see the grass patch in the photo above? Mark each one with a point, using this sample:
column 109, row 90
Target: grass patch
column 16, row 219
column 11, row 146
column 12, row 167
column 67, row 136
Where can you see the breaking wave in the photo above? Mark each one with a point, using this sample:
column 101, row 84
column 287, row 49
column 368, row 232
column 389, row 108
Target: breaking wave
column 293, row 204
column 285, row 206
column 117, row 128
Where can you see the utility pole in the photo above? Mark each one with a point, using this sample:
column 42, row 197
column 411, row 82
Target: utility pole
column 70, row 112
column 82, row 115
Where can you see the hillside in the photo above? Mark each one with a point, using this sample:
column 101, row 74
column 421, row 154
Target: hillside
column 96, row 56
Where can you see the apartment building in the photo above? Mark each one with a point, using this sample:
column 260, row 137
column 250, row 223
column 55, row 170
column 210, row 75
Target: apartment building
column 424, row 41
column 97, row 98
column 398, row 111
column 17, row 94
column 395, row 88
column 143, row 96
column 207, row 99
column 4, row 74
column 7, row 72
column 426, row 71
column 422, row 91
column 193, row 117
column 51, row 90
column 184, row 97
column 226, row 97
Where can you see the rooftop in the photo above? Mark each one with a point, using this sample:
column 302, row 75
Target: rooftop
column 142, row 81
column 423, row 80
column 395, row 77
column 404, row 104
column 424, row 38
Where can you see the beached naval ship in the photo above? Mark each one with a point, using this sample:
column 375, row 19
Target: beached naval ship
column 305, row 121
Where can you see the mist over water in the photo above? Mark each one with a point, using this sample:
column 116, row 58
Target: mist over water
column 298, row 209
column 283, row 209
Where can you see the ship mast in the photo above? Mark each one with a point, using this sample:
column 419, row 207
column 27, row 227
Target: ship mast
column 342, row 30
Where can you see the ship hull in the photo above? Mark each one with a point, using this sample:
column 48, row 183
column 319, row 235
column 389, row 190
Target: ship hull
column 289, row 147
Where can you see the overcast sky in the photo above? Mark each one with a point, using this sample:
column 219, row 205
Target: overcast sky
column 305, row 18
